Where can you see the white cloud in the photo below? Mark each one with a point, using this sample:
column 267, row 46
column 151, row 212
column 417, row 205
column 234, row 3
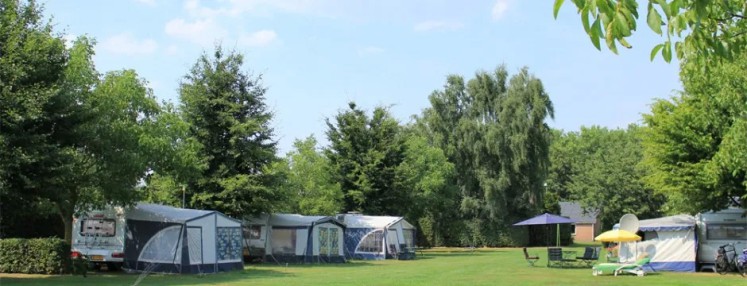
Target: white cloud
column 126, row 44
column 259, row 38
column 499, row 9
column 370, row 50
column 147, row 2
column 202, row 32
column 437, row 25
column 172, row 50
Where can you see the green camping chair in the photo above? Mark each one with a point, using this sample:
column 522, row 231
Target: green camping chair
column 619, row 268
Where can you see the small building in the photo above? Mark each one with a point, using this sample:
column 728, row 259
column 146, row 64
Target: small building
column 587, row 224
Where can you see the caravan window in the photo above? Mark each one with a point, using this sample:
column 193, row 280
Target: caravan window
column 252, row 232
column 726, row 232
column 283, row 241
column 372, row 242
column 97, row 227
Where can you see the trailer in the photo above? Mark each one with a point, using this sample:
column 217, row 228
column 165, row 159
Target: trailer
column 99, row 236
column 719, row 228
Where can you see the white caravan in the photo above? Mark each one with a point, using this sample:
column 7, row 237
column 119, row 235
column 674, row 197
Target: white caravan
column 99, row 236
column 719, row 228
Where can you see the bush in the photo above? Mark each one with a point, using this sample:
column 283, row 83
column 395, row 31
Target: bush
column 34, row 256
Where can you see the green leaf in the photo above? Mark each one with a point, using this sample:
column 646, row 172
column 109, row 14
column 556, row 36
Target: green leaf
column 610, row 39
column 664, row 7
column 596, row 33
column 556, row 8
column 624, row 43
column 585, row 19
column 667, row 52
column 654, row 19
column 656, row 50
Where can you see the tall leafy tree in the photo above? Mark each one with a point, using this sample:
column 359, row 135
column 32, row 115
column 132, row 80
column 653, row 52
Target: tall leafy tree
column 225, row 108
column 695, row 145
column 493, row 130
column 607, row 176
column 562, row 171
column 32, row 62
column 308, row 180
column 705, row 28
column 72, row 138
column 427, row 177
column 364, row 154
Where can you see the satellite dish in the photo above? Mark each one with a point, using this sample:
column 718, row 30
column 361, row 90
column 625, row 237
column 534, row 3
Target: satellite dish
column 629, row 222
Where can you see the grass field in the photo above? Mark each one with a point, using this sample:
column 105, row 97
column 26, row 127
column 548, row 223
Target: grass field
column 503, row 266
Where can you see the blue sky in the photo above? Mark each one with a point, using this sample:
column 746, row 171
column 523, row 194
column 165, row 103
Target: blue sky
column 315, row 56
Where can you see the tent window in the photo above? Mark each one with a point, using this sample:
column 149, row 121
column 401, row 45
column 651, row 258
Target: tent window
column 372, row 242
column 194, row 240
column 253, row 232
column 329, row 242
column 97, row 227
column 324, row 241
column 229, row 243
column 162, row 246
column 726, row 232
column 284, row 241
column 409, row 237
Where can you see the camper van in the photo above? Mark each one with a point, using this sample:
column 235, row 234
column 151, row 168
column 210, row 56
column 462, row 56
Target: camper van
column 99, row 236
column 719, row 228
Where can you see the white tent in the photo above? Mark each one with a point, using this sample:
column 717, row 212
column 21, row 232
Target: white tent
column 295, row 238
column 166, row 239
column 670, row 242
column 377, row 237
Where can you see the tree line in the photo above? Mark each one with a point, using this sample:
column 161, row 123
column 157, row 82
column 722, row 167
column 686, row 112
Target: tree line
column 478, row 159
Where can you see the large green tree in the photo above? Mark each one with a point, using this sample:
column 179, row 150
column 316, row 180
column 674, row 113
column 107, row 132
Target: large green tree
column 493, row 130
column 224, row 106
column 605, row 173
column 364, row 154
column 706, row 28
column 308, row 180
column 73, row 138
column 696, row 141
column 428, row 178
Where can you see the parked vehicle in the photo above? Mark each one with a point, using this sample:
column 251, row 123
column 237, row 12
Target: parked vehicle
column 98, row 236
column 719, row 228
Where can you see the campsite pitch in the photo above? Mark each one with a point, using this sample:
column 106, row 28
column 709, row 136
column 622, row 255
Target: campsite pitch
column 448, row 266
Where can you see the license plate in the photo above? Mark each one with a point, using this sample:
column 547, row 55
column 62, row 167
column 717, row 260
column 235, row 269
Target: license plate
column 97, row 258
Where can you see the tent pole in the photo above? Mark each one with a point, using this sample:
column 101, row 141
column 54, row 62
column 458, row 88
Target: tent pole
column 557, row 232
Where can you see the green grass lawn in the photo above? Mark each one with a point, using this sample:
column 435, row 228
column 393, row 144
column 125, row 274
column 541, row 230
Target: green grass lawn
column 503, row 266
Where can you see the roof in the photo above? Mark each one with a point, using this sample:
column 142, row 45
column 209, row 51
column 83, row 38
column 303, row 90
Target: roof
column 365, row 221
column 154, row 212
column 668, row 223
column 291, row 220
column 545, row 218
column 574, row 211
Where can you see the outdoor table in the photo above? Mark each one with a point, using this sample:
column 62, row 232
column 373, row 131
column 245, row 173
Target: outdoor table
column 569, row 255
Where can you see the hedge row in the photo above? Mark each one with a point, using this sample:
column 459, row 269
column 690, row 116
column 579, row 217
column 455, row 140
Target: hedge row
column 34, row 256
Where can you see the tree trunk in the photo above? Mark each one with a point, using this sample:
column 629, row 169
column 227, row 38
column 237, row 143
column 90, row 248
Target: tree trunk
column 67, row 221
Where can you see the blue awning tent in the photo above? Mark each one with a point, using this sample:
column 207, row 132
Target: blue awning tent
column 173, row 240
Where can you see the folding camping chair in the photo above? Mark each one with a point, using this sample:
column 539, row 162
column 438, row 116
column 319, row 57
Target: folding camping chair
column 591, row 255
column 620, row 268
column 530, row 259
